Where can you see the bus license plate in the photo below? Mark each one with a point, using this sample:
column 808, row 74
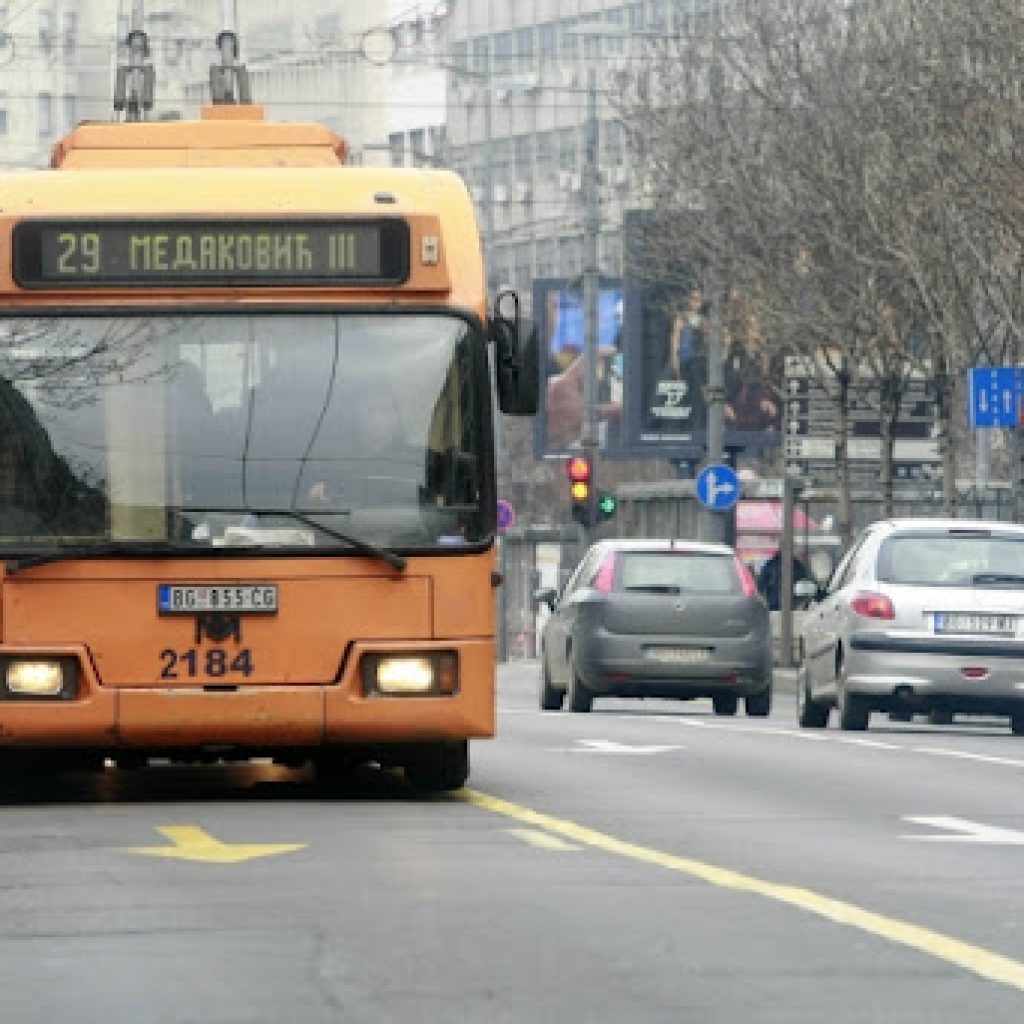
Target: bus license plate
column 259, row 598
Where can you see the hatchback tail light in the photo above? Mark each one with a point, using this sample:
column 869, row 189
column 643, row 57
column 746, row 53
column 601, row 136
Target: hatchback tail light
column 746, row 577
column 605, row 575
column 873, row 606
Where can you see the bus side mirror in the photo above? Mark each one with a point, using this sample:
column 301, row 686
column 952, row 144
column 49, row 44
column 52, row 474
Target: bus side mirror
column 517, row 358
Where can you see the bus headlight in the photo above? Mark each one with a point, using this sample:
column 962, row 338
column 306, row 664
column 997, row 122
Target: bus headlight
column 38, row 677
column 411, row 674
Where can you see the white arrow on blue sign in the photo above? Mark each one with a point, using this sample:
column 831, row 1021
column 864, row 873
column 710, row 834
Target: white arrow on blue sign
column 994, row 396
column 718, row 487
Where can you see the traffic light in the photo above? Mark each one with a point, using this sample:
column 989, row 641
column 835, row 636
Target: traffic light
column 580, row 472
column 606, row 506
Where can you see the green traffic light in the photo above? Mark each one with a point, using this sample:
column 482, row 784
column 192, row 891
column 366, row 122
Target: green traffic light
column 606, row 505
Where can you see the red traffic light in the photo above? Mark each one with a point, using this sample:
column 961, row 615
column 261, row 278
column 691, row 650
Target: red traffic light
column 578, row 469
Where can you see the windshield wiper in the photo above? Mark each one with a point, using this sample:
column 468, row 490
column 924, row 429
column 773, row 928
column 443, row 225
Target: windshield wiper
column 365, row 547
column 996, row 577
column 103, row 549
column 147, row 549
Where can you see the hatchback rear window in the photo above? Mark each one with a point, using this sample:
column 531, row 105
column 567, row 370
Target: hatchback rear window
column 677, row 572
column 950, row 559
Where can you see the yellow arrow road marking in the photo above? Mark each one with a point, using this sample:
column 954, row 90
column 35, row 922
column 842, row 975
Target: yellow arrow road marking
column 983, row 962
column 192, row 843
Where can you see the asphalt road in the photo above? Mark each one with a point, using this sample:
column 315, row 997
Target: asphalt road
column 647, row 862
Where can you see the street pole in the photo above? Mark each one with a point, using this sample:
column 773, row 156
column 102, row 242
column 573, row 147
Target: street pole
column 591, row 286
column 714, row 524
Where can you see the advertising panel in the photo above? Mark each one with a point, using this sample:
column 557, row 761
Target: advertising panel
column 666, row 340
column 558, row 309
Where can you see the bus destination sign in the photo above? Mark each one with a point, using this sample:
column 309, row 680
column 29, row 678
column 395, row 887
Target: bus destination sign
column 210, row 253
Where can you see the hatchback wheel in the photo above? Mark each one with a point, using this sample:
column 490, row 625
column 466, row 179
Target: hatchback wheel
column 724, row 703
column 809, row 713
column 580, row 698
column 550, row 698
column 759, row 705
column 1017, row 724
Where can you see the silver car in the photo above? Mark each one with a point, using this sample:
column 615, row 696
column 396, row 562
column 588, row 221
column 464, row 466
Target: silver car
column 657, row 618
column 920, row 616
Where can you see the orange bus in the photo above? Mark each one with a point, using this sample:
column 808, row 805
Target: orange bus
column 247, row 474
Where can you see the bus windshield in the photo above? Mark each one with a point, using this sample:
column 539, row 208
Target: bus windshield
column 277, row 430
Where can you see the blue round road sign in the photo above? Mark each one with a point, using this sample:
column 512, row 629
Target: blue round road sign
column 718, row 487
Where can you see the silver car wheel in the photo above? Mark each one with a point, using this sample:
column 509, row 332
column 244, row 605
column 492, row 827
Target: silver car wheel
column 809, row 714
column 853, row 708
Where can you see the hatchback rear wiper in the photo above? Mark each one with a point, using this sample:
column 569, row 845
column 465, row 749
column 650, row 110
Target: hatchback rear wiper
column 997, row 577
column 655, row 588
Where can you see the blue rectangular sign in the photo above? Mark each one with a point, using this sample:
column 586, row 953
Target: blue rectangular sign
column 994, row 396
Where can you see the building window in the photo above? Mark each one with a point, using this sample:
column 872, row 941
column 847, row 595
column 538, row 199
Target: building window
column 568, row 159
column 524, row 157
column 570, row 256
column 547, row 39
column 396, row 145
column 3, row 115
column 439, row 144
column 45, row 114
column 523, row 266
column 70, row 112
column 610, row 253
column 460, row 57
column 570, row 40
column 611, row 143
column 70, row 33
column 547, row 258
column 525, row 49
column 480, row 55
column 546, row 154
column 505, row 52
column 500, row 161
column 46, row 31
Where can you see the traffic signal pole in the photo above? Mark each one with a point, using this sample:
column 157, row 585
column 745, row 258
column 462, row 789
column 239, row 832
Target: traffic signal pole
column 591, row 283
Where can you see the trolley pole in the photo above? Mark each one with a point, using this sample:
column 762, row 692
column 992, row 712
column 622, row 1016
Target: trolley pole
column 591, row 285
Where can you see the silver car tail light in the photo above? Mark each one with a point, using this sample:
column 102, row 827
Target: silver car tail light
column 604, row 578
column 873, row 606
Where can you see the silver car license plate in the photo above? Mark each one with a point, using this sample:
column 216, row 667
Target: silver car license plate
column 253, row 598
column 962, row 622
column 677, row 655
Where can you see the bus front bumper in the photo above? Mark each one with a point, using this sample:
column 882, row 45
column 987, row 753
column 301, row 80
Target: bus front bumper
column 260, row 718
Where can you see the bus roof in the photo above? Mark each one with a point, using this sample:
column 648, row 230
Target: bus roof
column 225, row 136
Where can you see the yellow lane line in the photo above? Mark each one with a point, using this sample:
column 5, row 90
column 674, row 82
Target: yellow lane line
column 541, row 840
column 980, row 961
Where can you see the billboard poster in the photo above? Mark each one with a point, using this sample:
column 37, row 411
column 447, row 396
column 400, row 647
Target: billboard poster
column 666, row 337
column 558, row 310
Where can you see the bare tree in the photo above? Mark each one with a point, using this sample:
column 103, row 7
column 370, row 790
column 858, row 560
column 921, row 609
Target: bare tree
column 853, row 181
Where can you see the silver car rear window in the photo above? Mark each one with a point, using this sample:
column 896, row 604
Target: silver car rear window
column 677, row 572
column 945, row 559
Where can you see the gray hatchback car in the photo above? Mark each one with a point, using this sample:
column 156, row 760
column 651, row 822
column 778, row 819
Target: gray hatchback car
column 920, row 616
column 657, row 618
